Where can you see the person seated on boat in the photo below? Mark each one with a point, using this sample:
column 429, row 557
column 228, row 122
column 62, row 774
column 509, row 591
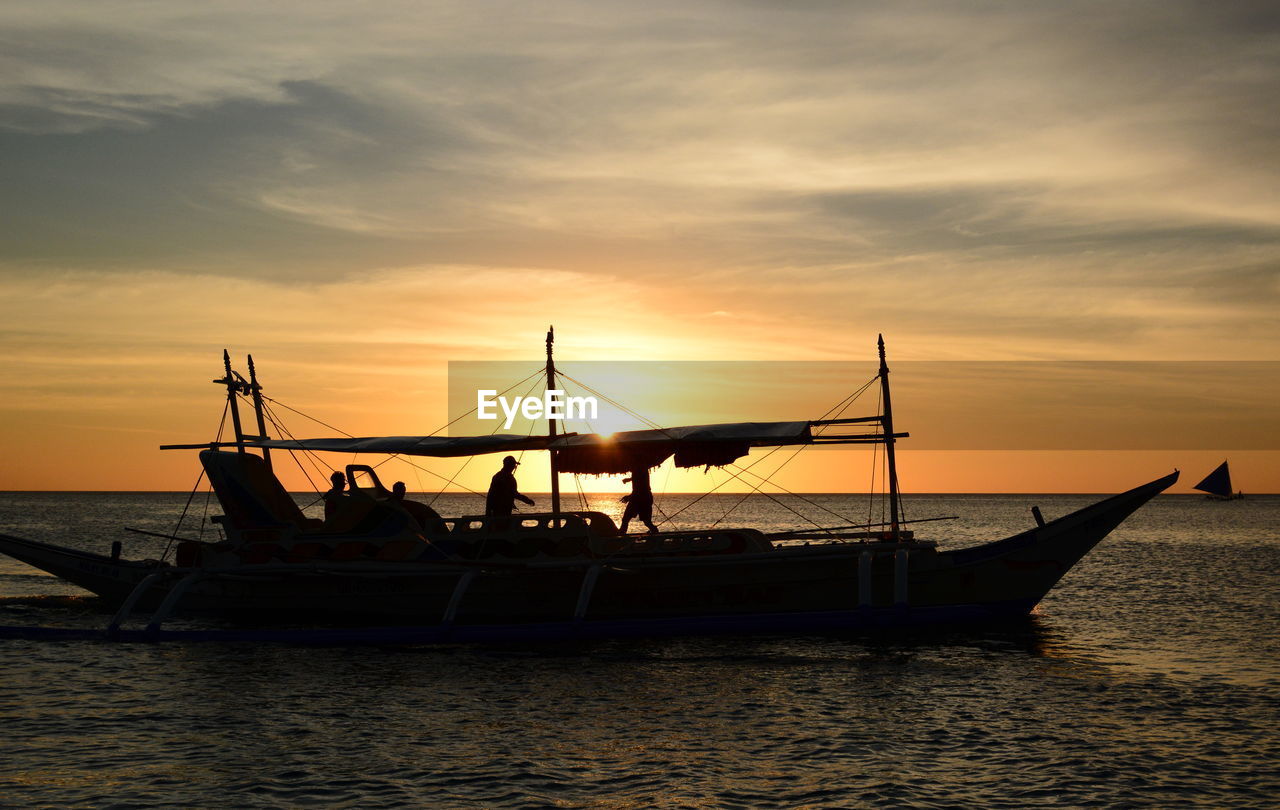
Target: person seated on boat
column 503, row 492
column 347, row 505
column 427, row 517
column 639, row 502
column 333, row 499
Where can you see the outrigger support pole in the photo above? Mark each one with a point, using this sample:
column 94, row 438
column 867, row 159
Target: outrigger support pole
column 887, row 421
column 233, row 385
column 551, row 423
column 113, row 629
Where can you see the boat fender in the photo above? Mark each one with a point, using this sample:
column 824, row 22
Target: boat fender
column 864, row 578
column 584, row 593
column 900, row 561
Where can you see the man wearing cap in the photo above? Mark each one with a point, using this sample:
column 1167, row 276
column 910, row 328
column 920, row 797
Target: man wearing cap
column 502, row 490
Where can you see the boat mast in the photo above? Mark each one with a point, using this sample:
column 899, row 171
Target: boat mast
column 233, row 386
column 886, row 421
column 256, row 390
column 551, row 422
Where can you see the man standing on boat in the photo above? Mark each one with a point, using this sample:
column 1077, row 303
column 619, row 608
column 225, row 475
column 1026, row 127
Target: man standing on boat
column 640, row 501
column 503, row 493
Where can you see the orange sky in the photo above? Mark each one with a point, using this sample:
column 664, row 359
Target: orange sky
column 112, row 441
column 360, row 193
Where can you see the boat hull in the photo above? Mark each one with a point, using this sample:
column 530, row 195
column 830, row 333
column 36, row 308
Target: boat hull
column 798, row 589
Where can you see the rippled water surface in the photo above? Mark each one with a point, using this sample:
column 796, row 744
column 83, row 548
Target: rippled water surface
column 1149, row 677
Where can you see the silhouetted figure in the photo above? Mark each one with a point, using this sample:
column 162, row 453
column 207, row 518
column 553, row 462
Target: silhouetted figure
column 503, row 493
column 333, row 498
column 425, row 515
column 640, row 501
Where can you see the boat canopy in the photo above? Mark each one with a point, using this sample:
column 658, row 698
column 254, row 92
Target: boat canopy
column 692, row 446
column 438, row 446
column 594, row 453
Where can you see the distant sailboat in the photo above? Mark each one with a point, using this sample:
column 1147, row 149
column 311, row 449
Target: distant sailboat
column 1218, row 485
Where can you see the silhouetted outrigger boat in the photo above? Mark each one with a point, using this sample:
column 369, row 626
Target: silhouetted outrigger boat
column 380, row 574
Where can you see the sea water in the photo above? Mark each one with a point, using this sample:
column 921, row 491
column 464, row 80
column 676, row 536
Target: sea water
column 1149, row 677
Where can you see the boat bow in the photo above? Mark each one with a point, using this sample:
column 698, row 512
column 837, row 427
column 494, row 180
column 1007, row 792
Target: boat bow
column 1022, row 568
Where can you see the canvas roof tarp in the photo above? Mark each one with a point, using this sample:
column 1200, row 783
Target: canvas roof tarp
column 692, row 445
column 589, row 453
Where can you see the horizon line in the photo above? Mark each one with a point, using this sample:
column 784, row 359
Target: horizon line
column 589, row 494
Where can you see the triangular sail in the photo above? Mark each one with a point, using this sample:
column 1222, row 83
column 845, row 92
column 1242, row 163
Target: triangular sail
column 1217, row 482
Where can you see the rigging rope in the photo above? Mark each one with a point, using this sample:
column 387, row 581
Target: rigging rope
column 450, row 481
column 319, row 467
column 842, row 405
column 875, row 468
column 756, row 489
column 644, row 419
column 467, row 463
column 222, row 424
column 766, row 480
column 266, row 398
column 577, row 479
column 667, row 518
column 463, row 416
column 315, row 460
column 309, row 455
column 183, row 516
column 839, row 409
